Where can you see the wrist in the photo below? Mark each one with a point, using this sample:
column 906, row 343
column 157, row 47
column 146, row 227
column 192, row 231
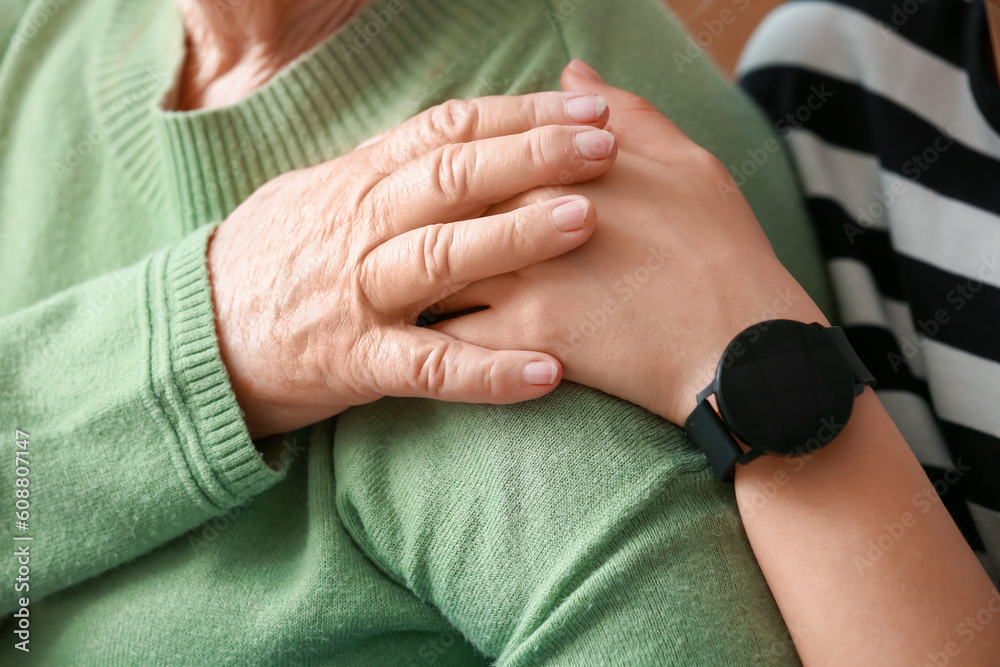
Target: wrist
column 696, row 366
column 242, row 382
column 784, row 387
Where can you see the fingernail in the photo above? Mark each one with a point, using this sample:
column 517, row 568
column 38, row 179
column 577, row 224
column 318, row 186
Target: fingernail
column 540, row 372
column 570, row 216
column 586, row 108
column 583, row 69
column 595, row 144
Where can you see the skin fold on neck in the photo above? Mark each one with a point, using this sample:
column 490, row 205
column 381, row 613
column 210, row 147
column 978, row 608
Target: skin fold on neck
column 233, row 46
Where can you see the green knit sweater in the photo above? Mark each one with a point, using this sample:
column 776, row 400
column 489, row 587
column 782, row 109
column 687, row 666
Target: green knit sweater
column 572, row 530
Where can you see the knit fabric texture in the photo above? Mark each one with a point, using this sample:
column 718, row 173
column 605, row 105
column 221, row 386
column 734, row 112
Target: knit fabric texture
column 577, row 529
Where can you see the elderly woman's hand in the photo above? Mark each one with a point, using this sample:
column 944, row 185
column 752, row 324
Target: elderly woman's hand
column 677, row 267
column 319, row 276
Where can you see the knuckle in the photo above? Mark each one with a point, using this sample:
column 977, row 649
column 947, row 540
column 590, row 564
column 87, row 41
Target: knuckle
column 432, row 373
column 435, row 256
column 436, row 374
column 455, row 120
column 450, row 170
column 706, row 162
column 535, row 110
column 522, row 220
column 363, row 281
column 536, row 146
column 490, row 382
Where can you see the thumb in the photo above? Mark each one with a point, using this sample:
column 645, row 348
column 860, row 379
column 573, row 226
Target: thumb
column 638, row 125
column 430, row 364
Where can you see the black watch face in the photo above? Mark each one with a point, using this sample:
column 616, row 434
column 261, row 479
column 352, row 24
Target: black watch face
column 784, row 387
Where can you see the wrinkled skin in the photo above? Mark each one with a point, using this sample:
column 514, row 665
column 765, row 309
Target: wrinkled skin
column 318, row 277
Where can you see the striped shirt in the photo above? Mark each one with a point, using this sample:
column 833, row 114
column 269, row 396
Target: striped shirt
column 891, row 110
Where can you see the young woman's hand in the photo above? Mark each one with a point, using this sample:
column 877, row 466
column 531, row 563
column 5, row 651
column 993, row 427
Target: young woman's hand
column 319, row 276
column 677, row 266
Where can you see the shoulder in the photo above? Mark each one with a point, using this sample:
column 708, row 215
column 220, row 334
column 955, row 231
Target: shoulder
column 850, row 37
column 11, row 30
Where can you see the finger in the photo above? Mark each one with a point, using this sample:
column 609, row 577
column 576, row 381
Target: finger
column 412, row 271
column 462, row 121
column 506, row 324
column 460, row 180
column 628, row 111
column 430, row 364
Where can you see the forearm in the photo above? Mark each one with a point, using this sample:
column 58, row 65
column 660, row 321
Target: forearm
column 863, row 560
column 135, row 436
column 646, row 312
column 575, row 530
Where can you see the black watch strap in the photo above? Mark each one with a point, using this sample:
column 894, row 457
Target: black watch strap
column 715, row 441
column 862, row 375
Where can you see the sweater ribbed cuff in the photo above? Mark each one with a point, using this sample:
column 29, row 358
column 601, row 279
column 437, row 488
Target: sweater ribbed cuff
column 217, row 447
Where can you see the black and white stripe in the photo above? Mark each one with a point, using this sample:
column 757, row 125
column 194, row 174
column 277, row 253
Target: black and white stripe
column 900, row 165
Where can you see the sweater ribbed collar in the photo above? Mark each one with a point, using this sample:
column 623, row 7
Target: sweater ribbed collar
column 370, row 75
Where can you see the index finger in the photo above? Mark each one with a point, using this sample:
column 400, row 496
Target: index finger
column 462, row 121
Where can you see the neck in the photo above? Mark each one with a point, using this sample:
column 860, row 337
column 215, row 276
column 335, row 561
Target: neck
column 234, row 47
column 993, row 18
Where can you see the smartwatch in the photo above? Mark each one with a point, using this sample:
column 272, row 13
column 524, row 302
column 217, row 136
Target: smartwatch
column 783, row 388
